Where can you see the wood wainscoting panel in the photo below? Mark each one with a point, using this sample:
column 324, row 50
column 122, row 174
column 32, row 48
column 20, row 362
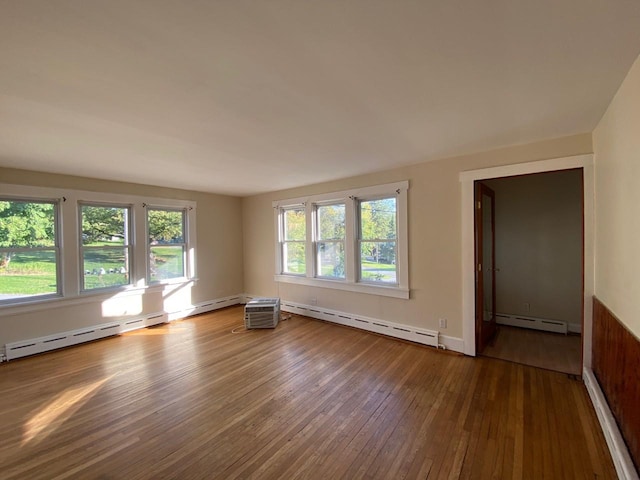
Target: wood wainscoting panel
column 616, row 365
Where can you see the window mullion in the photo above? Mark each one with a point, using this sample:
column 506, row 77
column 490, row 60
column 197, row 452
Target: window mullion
column 310, row 240
column 350, row 240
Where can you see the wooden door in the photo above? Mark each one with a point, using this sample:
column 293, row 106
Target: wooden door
column 485, row 265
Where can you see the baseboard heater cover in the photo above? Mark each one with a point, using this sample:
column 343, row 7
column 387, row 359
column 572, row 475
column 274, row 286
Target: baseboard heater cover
column 405, row 332
column 544, row 324
column 73, row 337
column 617, row 447
column 33, row 346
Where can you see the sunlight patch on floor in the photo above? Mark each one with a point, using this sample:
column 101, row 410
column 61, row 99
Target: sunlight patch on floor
column 56, row 412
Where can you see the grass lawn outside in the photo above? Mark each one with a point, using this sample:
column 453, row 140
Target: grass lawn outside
column 34, row 273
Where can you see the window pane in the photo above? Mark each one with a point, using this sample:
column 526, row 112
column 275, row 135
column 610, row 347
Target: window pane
column 331, row 222
column 105, row 267
column 378, row 262
column 294, row 224
column 331, row 259
column 166, row 226
column 166, row 262
column 26, row 274
column 27, row 224
column 102, row 226
column 294, row 257
column 378, row 219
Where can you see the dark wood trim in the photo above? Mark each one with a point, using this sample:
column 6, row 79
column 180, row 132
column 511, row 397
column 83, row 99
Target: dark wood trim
column 616, row 365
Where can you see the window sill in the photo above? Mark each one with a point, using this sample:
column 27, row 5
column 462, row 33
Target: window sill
column 367, row 288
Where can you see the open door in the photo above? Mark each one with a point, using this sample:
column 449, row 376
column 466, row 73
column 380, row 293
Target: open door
column 485, row 266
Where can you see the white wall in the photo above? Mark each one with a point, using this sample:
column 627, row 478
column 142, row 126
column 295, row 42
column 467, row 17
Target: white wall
column 435, row 272
column 616, row 142
column 538, row 223
column 219, row 264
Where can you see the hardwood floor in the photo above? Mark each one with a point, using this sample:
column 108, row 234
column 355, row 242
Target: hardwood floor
column 309, row 399
column 553, row 351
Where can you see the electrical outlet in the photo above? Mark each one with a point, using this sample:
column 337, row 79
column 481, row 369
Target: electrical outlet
column 313, row 301
column 442, row 322
column 527, row 307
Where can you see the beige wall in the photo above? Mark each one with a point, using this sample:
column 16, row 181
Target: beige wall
column 616, row 142
column 539, row 245
column 434, row 237
column 219, row 264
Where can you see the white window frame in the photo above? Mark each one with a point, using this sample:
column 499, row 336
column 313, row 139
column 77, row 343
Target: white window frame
column 187, row 265
column 350, row 199
column 283, row 242
column 69, row 234
column 359, row 239
column 317, row 240
column 57, row 248
column 128, row 246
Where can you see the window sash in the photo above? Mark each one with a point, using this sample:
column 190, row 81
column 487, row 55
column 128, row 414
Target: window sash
column 8, row 254
column 92, row 279
column 163, row 270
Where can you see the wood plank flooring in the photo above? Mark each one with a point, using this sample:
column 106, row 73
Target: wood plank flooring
column 553, row 351
column 192, row 400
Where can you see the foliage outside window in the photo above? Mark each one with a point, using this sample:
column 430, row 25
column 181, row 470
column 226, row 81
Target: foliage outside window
column 29, row 250
column 377, row 240
column 294, row 241
column 330, row 241
column 105, row 246
column 167, row 244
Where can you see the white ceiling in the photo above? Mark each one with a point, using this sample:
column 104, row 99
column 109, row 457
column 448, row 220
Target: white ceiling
column 241, row 97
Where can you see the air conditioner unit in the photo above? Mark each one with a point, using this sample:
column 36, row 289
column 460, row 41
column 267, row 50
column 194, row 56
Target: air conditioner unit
column 262, row 313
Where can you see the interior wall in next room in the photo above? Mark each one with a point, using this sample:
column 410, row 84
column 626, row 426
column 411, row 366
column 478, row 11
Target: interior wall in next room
column 538, row 222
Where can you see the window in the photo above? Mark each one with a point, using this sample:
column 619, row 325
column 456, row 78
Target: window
column 294, row 237
column 377, row 240
column 330, row 223
column 167, row 244
column 353, row 240
column 29, row 249
column 105, row 246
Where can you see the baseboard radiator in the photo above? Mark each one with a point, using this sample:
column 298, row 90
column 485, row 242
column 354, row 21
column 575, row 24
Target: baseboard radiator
column 544, row 324
column 33, row 346
column 405, row 332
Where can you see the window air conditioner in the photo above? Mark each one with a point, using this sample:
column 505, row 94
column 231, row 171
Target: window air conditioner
column 262, row 313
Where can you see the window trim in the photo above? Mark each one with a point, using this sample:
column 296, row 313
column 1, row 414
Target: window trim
column 350, row 199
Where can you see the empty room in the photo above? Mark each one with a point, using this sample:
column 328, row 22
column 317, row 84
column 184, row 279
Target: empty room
column 346, row 239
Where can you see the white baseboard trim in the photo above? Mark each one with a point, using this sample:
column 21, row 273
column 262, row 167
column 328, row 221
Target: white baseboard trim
column 33, row 346
column 574, row 328
column 455, row 344
column 376, row 325
column 534, row 323
column 206, row 306
column 615, row 442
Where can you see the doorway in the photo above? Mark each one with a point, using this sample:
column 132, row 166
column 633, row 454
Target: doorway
column 529, row 273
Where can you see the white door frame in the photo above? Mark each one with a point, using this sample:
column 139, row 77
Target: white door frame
column 467, row 180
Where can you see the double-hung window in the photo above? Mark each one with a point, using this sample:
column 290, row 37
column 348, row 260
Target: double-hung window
column 354, row 240
column 377, row 234
column 294, row 239
column 29, row 249
column 330, row 236
column 105, row 246
column 166, row 229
